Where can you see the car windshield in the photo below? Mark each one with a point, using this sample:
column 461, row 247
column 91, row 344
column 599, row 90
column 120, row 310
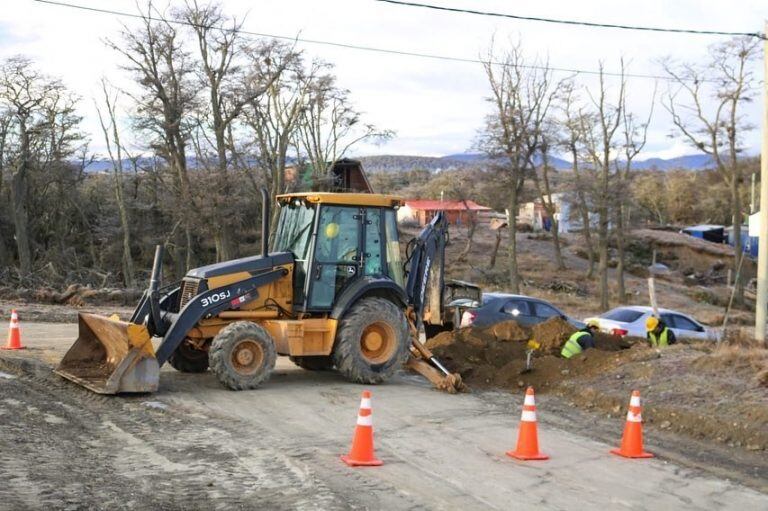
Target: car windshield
column 623, row 315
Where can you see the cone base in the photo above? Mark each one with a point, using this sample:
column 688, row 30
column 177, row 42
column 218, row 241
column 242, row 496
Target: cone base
column 357, row 463
column 13, row 347
column 525, row 457
column 643, row 454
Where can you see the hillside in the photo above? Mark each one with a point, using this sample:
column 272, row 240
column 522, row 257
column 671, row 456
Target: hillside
column 394, row 163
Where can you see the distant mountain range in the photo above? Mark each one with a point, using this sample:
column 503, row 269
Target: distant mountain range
column 401, row 163
column 393, row 163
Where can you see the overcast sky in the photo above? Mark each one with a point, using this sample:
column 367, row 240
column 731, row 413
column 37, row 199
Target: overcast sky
column 435, row 107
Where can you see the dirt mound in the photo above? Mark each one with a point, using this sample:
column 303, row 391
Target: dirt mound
column 698, row 389
column 551, row 334
column 496, row 355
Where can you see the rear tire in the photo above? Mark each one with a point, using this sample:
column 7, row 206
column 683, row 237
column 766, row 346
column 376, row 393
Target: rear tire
column 319, row 363
column 242, row 355
column 188, row 359
column 372, row 341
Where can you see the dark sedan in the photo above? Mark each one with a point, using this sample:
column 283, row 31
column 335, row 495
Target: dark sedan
column 527, row 311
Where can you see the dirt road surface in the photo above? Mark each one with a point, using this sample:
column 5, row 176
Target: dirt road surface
column 196, row 445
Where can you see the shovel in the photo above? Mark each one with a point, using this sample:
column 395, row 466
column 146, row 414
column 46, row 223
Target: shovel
column 532, row 346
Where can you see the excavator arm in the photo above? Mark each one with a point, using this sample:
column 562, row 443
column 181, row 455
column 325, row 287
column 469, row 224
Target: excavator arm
column 425, row 265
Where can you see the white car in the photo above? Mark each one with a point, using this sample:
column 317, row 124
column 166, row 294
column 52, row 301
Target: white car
column 630, row 320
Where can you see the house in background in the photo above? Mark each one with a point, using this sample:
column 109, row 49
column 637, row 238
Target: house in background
column 535, row 214
column 345, row 175
column 750, row 236
column 421, row 211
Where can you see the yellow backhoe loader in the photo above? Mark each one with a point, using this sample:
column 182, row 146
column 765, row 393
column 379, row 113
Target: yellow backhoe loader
column 333, row 293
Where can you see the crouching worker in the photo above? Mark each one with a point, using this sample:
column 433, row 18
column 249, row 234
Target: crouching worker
column 580, row 340
column 659, row 334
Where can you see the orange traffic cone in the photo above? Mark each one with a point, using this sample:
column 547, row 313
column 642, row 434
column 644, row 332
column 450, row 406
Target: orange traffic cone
column 361, row 453
column 528, row 436
column 632, row 440
column 14, row 333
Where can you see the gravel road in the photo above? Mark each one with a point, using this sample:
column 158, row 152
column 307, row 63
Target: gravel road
column 196, row 445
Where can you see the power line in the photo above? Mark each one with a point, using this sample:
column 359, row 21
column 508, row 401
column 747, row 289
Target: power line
column 591, row 24
column 573, row 71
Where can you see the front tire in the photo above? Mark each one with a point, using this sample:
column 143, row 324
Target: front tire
column 372, row 341
column 242, row 355
column 188, row 359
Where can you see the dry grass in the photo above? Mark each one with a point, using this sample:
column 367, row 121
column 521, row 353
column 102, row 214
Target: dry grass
column 738, row 353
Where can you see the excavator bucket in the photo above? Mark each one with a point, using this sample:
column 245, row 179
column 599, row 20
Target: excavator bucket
column 111, row 356
column 424, row 362
column 450, row 383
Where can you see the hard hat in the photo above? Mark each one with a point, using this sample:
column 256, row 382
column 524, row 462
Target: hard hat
column 651, row 323
column 593, row 323
column 331, row 230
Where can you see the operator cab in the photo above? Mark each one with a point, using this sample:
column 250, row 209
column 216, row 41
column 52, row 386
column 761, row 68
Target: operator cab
column 337, row 239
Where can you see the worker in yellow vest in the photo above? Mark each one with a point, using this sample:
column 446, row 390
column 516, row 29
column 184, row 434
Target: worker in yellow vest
column 659, row 334
column 581, row 340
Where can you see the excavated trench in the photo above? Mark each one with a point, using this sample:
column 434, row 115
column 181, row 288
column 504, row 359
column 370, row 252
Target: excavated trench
column 690, row 388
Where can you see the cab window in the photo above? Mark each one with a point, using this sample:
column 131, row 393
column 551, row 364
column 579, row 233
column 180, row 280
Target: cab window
column 337, row 254
column 394, row 260
column 372, row 253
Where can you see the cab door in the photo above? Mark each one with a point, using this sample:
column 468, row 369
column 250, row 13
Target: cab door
column 338, row 254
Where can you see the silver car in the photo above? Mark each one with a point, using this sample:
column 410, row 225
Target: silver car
column 630, row 320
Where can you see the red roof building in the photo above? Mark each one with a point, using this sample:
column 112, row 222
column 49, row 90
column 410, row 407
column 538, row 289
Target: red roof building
column 457, row 212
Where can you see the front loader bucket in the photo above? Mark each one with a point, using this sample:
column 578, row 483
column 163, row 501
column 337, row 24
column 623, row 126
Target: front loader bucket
column 111, row 356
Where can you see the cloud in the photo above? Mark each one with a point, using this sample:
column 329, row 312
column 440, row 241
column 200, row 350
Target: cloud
column 435, row 107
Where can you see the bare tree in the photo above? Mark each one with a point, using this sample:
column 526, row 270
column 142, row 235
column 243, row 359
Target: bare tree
column 111, row 132
column 271, row 118
column 6, row 123
column 36, row 103
column 222, row 73
column 163, row 70
column 600, row 144
column 329, row 125
column 705, row 105
column 521, row 94
column 635, row 137
column 541, row 178
column 573, row 119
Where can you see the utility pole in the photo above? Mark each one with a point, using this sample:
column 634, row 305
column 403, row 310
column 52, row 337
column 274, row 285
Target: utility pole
column 761, row 308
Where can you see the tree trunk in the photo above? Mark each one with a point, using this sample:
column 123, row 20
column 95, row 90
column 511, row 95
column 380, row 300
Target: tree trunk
column 738, row 297
column 556, row 243
column 19, row 187
column 620, row 242
column 470, row 237
column 514, row 276
column 129, row 278
column 602, row 248
column 587, row 232
column 495, row 251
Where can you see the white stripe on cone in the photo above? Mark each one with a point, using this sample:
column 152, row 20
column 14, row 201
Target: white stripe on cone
column 365, row 420
column 632, row 417
column 365, row 403
column 634, row 401
column 529, row 400
column 528, row 416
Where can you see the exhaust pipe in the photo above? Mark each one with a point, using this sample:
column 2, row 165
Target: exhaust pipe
column 265, row 211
